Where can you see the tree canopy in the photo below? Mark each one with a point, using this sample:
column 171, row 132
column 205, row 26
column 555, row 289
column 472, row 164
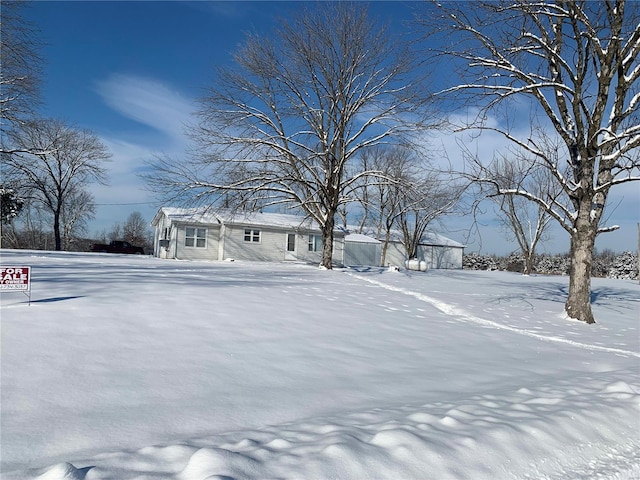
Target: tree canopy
column 61, row 162
column 538, row 72
column 283, row 125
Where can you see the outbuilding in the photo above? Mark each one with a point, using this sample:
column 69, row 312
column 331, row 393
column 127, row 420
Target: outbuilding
column 435, row 250
column 362, row 250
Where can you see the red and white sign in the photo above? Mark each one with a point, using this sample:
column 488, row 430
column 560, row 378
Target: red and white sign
column 15, row 278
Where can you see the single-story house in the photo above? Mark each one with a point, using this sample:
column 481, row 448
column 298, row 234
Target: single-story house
column 220, row 234
column 207, row 234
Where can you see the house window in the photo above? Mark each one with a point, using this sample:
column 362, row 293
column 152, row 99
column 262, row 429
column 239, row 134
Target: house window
column 195, row 237
column 315, row 243
column 251, row 235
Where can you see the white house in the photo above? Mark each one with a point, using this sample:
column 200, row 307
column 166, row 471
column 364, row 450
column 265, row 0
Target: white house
column 207, row 234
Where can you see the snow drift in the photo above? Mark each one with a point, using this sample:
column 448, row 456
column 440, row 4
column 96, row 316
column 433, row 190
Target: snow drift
column 141, row 368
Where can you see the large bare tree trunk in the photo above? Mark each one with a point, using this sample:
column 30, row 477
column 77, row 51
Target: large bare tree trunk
column 578, row 303
column 56, row 231
column 327, row 243
column 528, row 263
column 385, row 247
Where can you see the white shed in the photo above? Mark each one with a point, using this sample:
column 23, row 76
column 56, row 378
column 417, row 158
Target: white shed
column 362, row 250
column 436, row 250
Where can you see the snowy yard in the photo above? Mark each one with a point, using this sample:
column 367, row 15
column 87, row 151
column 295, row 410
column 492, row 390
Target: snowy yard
column 130, row 367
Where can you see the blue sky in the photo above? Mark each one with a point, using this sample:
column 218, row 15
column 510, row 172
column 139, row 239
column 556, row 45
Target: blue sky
column 131, row 71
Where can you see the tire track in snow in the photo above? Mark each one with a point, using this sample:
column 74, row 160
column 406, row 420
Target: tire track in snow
column 453, row 311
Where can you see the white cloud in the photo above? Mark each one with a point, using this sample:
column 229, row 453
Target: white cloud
column 126, row 191
column 128, row 158
column 149, row 102
column 153, row 104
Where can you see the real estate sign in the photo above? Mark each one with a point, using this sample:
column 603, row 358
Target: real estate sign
column 15, row 278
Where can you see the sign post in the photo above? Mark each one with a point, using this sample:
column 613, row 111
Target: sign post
column 16, row 279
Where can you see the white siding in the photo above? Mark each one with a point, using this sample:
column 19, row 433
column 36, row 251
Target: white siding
column 272, row 245
column 360, row 253
column 210, row 252
column 158, row 234
column 395, row 255
column 269, row 249
column 304, row 255
column 444, row 257
column 338, row 251
column 302, row 249
column 226, row 241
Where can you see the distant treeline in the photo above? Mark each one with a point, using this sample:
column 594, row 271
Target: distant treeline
column 606, row 264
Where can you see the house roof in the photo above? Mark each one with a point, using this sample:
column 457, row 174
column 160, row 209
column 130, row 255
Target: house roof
column 187, row 215
column 432, row 238
column 210, row 216
column 360, row 238
column 428, row 238
column 225, row 216
column 268, row 219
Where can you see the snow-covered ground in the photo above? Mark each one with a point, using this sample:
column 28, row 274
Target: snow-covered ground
column 138, row 368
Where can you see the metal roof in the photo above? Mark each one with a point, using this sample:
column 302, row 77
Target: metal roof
column 225, row 216
column 211, row 216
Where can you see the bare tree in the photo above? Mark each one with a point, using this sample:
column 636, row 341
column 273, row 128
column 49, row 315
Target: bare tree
column 78, row 208
column 66, row 159
column 20, row 67
column 34, row 227
column 284, row 126
column 574, row 65
column 116, row 232
column 379, row 195
column 136, row 230
column 425, row 199
column 405, row 193
column 527, row 222
column 32, row 230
